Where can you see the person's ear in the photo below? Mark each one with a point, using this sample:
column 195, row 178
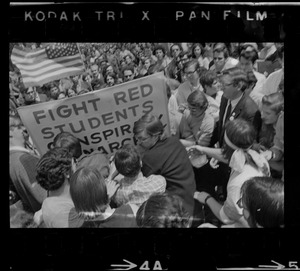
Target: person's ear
column 74, row 165
column 239, row 85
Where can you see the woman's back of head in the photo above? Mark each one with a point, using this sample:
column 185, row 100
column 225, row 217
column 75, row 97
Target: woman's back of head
column 240, row 132
column 69, row 141
column 88, row 191
column 152, row 124
column 53, row 168
column 263, row 200
column 163, row 211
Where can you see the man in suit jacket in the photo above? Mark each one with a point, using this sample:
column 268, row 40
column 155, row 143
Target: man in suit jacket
column 234, row 104
column 234, row 82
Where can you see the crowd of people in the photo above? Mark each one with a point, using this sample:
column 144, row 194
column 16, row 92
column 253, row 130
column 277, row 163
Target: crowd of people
column 220, row 165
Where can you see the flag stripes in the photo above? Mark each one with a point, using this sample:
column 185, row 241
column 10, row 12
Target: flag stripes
column 37, row 69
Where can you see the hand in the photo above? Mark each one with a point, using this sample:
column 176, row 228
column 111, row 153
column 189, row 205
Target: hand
column 113, row 172
column 111, row 187
column 214, row 163
column 197, row 149
column 200, row 196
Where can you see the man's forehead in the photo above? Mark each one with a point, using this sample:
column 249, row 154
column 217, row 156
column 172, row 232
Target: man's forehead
column 243, row 59
column 219, row 54
column 225, row 78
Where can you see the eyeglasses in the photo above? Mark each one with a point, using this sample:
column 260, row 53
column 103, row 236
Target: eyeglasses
column 175, row 49
column 226, row 85
column 190, row 73
column 192, row 108
column 127, row 76
column 218, row 58
column 142, row 139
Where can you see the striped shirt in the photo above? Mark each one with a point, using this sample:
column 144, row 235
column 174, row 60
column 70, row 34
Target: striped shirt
column 140, row 190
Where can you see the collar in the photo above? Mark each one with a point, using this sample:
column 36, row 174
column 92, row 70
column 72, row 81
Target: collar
column 127, row 181
column 235, row 102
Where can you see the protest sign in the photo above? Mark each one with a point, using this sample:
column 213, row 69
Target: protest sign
column 102, row 120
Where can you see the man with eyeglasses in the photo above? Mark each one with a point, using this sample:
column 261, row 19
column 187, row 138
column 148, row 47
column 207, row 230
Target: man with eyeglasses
column 128, row 73
column 234, row 104
column 163, row 60
column 97, row 74
column 192, row 73
column 28, row 96
column 22, row 168
column 221, row 58
column 172, row 69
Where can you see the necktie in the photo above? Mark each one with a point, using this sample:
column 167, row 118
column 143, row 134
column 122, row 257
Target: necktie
column 228, row 112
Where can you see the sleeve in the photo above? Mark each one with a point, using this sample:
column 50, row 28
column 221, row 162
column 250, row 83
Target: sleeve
column 147, row 168
column 230, row 212
column 29, row 163
column 180, row 97
column 185, row 131
column 120, row 197
column 206, row 131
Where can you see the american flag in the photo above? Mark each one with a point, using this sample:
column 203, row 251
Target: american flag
column 54, row 61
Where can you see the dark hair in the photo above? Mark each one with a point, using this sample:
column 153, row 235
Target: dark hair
column 251, row 78
column 263, row 197
column 197, row 45
column 111, row 74
column 150, row 123
column 238, row 75
column 128, row 68
column 159, row 47
column 52, row 85
column 73, row 88
column 275, row 101
column 88, row 191
column 163, row 211
column 85, row 75
column 128, row 161
column 221, row 47
column 95, row 82
column 207, row 78
column 70, row 142
column 176, row 44
column 241, row 133
column 192, row 62
column 197, row 99
column 249, row 55
column 53, row 167
column 23, row 89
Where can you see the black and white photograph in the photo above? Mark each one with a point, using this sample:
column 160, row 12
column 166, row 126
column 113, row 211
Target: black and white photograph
column 150, row 136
